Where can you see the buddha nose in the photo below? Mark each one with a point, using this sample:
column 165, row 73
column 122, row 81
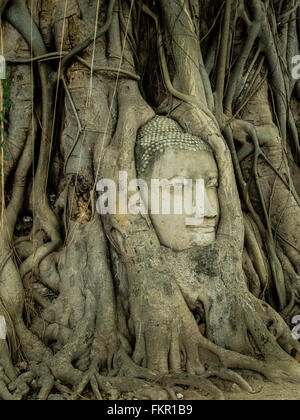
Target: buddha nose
column 209, row 211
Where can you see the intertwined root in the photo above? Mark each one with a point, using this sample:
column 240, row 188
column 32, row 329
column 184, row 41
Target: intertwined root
column 142, row 383
column 130, row 379
column 161, row 387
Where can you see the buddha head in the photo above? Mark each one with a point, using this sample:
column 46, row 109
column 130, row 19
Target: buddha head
column 165, row 152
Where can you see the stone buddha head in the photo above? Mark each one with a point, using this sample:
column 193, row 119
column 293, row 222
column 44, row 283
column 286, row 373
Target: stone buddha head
column 165, row 152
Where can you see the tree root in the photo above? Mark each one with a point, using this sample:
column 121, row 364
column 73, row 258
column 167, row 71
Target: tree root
column 45, row 380
column 17, row 389
column 166, row 383
column 198, row 382
column 132, row 380
column 4, row 393
column 5, row 361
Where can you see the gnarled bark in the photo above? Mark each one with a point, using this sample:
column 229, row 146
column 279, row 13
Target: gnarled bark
column 86, row 296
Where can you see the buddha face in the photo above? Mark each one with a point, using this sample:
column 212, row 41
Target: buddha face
column 174, row 230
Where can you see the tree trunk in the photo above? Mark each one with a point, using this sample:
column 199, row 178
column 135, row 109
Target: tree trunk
column 90, row 299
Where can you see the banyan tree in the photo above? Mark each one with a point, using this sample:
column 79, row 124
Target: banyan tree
column 141, row 303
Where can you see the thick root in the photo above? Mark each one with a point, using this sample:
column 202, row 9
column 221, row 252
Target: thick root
column 5, row 361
